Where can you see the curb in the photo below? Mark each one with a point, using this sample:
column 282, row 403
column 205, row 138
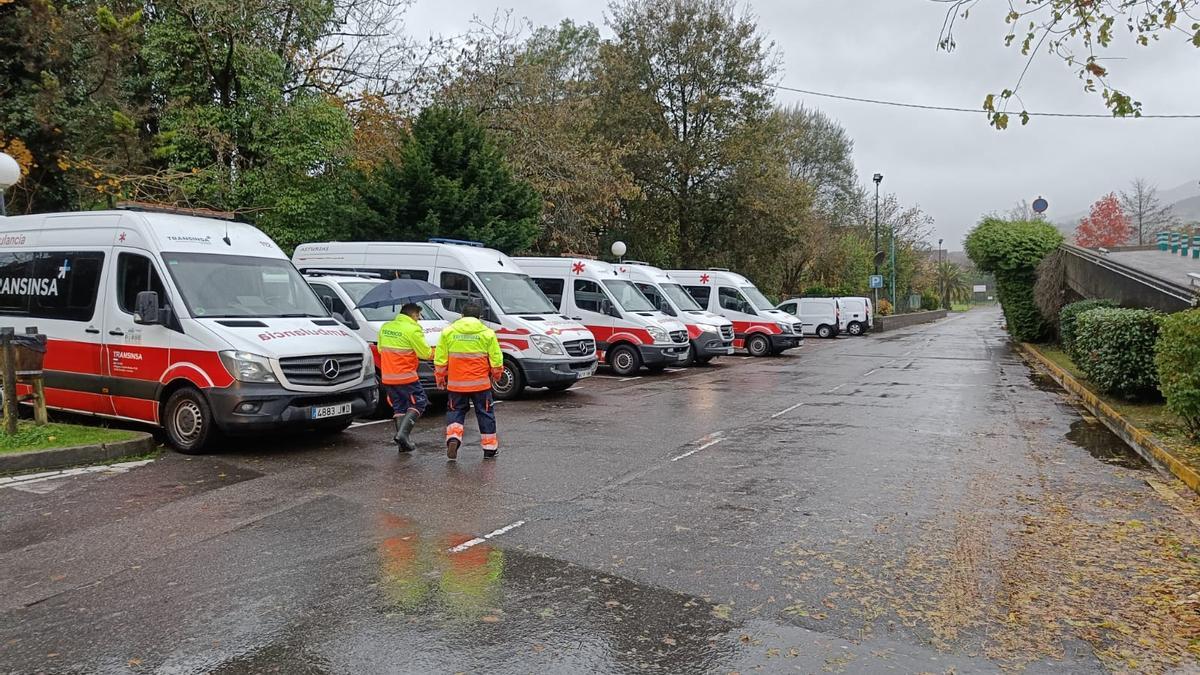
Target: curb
column 58, row 458
column 1143, row 442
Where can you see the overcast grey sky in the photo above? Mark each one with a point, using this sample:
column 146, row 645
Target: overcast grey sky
column 952, row 164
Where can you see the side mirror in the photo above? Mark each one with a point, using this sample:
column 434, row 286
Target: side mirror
column 146, row 311
column 347, row 321
column 665, row 307
column 609, row 309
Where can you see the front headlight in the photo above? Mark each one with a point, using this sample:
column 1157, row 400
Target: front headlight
column 785, row 327
column 545, row 344
column 658, row 334
column 368, row 365
column 706, row 328
column 248, row 367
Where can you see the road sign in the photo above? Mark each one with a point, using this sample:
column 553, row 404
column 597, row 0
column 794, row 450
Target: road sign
column 1040, row 205
column 876, row 281
column 979, row 288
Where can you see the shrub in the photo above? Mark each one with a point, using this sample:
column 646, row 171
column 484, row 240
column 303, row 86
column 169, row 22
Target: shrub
column 1116, row 349
column 930, row 301
column 1178, row 362
column 884, row 308
column 1066, row 321
column 1049, row 290
column 1012, row 251
column 818, row 292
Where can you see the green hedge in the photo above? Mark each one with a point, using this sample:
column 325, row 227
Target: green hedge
column 1178, row 362
column 1066, row 321
column 930, row 301
column 1115, row 350
column 1011, row 250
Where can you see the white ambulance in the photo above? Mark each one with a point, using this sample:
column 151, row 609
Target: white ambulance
column 711, row 335
column 195, row 324
column 341, row 292
column 541, row 347
column 630, row 331
column 758, row 327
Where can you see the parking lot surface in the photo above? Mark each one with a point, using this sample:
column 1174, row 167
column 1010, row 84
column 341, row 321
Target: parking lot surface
column 913, row 501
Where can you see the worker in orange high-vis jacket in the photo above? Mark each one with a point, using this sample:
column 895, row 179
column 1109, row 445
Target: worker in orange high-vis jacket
column 401, row 347
column 466, row 361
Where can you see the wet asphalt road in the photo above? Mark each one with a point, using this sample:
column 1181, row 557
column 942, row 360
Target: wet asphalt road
column 913, row 501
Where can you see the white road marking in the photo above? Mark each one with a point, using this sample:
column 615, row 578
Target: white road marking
column 479, row 540
column 837, row 387
column 672, row 370
column 707, row 442
column 786, row 410
column 630, row 379
column 871, row 372
column 27, row 479
column 573, row 388
column 355, row 425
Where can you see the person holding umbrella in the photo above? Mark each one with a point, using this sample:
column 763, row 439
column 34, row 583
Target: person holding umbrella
column 401, row 348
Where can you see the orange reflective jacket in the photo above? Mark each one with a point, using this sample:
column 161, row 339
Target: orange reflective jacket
column 401, row 346
column 467, row 356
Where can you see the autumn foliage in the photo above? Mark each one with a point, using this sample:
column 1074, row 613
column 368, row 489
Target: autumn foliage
column 1107, row 225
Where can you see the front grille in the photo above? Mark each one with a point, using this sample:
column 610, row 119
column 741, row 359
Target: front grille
column 580, row 347
column 311, row 371
column 727, row 333
column 679, row 336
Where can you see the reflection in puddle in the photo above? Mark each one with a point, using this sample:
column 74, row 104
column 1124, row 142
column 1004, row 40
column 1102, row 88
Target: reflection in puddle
column 1104, row 445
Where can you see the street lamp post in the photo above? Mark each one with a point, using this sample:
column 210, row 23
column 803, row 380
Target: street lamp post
column 941, row 281
column 878, row 178
column 10, row 175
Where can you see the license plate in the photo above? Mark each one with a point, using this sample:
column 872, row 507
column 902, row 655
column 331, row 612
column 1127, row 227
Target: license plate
column 729, row 351
column 327, row 411
column 586, row 373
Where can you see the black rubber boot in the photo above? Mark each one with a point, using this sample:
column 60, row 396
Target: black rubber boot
column 452, row 448
column 396, row 426
column 404, row 428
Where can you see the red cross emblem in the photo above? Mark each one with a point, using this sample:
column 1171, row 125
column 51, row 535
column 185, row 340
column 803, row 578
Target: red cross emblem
column 577, row 268
column 623, row 270
column 553, row 331
column 704, row 278
column 121, row 238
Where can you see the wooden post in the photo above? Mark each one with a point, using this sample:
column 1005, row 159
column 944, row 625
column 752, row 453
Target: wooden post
column 38, row 383
column 10, row 381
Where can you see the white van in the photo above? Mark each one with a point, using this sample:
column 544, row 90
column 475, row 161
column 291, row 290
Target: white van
column 819, row 316
column 341, row 293
column 630, row 331
column 711, row 335
column 541, row 348
column 858, row 315
column 194, row 324
column 758, row 327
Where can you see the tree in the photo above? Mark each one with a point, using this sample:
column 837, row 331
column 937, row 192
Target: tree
column 1146, row 211
column 451, row 181
column 952, row 283
column 1106, row 226
column 819, row 152
column 1078, row 33
column 687, row 84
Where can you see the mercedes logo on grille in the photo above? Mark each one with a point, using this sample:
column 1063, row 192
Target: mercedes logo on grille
column 330, row 368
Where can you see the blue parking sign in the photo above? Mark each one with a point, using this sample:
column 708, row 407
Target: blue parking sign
column 876, row 281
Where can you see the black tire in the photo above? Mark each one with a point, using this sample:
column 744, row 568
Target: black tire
column 702, row 360
column 511, row 384
column 758, row 345
column 624, row 360
column 855, row 328
column 383, row 409
column 824, row 332
column 188, row 421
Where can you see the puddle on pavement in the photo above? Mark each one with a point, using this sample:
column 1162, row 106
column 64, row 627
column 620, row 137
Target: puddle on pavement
column 1104, row 445
column 1043, row 382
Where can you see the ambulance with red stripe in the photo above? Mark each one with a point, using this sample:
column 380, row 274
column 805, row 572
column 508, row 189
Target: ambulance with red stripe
column 710, row 335
column 195, row 324
column 541, row 347
column 758, row 327
column 630, row 331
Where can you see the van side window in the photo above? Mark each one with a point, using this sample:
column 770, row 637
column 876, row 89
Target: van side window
column 732, row 300
column 700, row 294
column 656, row 298
column 398, row 274
column 330, row 299
column 135, row 273
column 790, row 308
column 58, row 285
column 553, row 288
column 589, row 296
column 462, row 290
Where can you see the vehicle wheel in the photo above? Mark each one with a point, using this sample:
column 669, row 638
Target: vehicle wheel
column 690, row 360
column 511, row 383
column 560, row 386
column 758, row 345
column 702, row 360
column 855, row 328
column 624, row 359
column 383, row 408
column 188, row 421
column 824, row 332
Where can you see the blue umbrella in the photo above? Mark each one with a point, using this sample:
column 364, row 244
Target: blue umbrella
column 399, row 292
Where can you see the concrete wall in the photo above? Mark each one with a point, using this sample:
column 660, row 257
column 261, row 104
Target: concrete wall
column 1094, row 277
column 885, row 323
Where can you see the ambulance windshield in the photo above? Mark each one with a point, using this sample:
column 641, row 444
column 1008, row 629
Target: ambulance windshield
column 680, row 297
column 516, row 293
column 225, row 286
column 760, row 301
column 628, row 296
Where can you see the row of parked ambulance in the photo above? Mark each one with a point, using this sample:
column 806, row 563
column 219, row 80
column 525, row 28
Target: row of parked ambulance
column 204, row 326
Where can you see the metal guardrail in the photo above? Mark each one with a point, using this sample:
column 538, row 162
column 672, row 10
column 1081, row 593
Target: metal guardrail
column 1187, row 294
